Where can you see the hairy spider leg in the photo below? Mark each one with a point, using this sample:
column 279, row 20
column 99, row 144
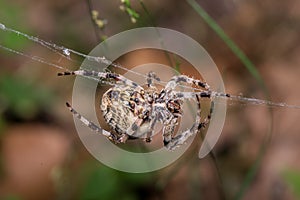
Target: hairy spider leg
column 168, row 132
column 203, row 94
column 96, row 128
column 151, row 77
column 181, row 138
column 151, row 130
column 170, row 141
column 183, row 78
column 105, row 75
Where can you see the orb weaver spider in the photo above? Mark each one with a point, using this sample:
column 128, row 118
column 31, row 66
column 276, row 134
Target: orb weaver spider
column 132, row 111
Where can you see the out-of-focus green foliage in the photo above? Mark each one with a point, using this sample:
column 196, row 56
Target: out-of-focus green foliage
column 126, row 7
column 22, row 99
column 12, row 197
column 293, row 179
column 105, row 183
column 101, row 183
column 12, row 14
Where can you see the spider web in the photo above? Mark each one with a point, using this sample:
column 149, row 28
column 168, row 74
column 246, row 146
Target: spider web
column 68, row 53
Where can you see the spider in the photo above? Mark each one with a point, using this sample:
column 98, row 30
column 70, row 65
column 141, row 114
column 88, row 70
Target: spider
column 132, row 111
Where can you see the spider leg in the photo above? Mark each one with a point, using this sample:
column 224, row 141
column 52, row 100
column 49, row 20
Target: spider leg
column 203, row 94
column 169, row 141
column 168, row 131
column 96, row 128
column 173, row 142
column 151, row 77
column 150, row 131
column 191, row 95
column 105, row 75
column 183, row 78
column 197, row 95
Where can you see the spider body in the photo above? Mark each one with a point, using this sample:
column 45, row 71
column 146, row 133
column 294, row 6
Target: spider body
column 133, row 111
column 133, row 114
column 123, row 108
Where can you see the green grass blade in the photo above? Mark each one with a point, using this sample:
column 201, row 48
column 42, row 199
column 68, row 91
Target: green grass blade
column 233, row 47
column 253, row 71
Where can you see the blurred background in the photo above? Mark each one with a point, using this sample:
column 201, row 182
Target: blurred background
column 257, row 155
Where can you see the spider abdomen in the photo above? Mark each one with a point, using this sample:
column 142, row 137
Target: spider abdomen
column 125, row 111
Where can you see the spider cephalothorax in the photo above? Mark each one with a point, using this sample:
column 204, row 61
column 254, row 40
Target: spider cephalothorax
column 132, row 111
